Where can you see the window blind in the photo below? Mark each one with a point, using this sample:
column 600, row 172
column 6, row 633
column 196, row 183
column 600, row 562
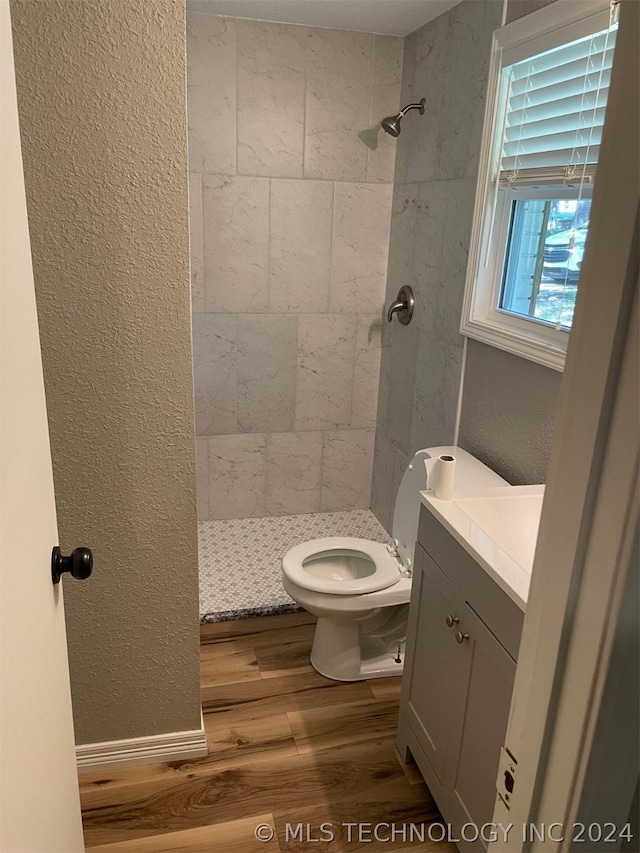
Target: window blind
column 555, row 110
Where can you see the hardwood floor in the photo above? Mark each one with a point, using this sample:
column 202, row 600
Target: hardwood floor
column 286, row 747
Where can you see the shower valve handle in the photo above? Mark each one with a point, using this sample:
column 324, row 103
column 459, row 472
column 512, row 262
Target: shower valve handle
column 403, row 306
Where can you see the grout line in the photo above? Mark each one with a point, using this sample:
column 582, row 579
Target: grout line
column 371, row 89
column 304, row 115
column 269, row 233
column 235, row 31
column 317, row 179
column 333, row 224
column 206, row 12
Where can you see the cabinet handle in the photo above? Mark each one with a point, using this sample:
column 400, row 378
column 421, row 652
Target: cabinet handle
column 451, row 620
column 460, row 637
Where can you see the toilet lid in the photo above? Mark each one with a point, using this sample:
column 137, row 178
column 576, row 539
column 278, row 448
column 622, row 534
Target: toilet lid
column 341, row 565
column 407, row 509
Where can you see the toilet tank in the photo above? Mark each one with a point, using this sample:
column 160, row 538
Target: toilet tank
column 470, row 474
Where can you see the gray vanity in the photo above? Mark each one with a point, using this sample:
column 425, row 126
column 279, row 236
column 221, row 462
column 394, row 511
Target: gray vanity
column 464, row 631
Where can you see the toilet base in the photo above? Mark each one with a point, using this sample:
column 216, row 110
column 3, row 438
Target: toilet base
column 352, row 650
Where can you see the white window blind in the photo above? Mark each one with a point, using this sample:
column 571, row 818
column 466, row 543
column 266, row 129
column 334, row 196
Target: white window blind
column 555, row 110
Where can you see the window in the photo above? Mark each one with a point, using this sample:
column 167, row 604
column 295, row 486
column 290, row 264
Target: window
column 546, row 105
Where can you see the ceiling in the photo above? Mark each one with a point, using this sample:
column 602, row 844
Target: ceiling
column 393, row 17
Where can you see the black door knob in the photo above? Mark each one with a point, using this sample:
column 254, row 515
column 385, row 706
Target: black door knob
column 79, row 563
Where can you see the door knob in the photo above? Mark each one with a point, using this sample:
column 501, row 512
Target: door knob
column 79, row 564
column 403, row 306
column 460, row 637
column 451, row 620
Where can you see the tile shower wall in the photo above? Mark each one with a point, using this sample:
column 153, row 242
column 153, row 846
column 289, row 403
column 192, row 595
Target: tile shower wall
column 291, row 194
column 445, row 62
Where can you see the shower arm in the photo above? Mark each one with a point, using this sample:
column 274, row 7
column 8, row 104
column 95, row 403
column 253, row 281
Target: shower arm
column 420, row 106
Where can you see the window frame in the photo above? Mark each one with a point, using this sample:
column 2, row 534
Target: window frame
column 536, row 340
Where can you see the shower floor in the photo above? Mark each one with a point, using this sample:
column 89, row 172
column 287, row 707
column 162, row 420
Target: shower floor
column 239, row 559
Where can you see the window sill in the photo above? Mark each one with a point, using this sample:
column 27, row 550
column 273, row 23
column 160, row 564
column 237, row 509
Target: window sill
column 516, row 342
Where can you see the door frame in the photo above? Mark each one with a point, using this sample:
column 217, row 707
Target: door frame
column 584, row 555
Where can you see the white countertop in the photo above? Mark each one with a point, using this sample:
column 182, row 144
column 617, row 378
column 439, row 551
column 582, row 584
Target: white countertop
column 498, row 527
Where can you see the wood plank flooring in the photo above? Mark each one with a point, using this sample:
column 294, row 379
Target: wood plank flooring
column 287, row 747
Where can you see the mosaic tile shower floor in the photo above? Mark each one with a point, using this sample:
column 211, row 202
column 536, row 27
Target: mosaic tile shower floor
column 239, row 559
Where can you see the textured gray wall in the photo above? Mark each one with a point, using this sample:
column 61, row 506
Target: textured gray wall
column 508, row 412
column 101, row 92
column 519, row 8
column 509, row 403
column 446, row 62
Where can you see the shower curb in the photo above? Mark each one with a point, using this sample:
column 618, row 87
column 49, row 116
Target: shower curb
column 249, row 612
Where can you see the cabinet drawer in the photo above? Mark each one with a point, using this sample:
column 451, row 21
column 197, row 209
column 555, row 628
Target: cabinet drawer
column 499, row 613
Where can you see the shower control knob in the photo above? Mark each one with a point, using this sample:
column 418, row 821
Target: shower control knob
column 451, row 620
column 79, row 564
column 403, row 306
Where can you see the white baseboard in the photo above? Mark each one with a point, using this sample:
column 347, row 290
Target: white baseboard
column 171, row 746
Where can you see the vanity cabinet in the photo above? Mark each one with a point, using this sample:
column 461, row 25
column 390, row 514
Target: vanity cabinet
column 462, row 644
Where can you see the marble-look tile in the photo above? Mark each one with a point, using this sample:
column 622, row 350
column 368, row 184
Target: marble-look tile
column 397, row 378
column 455, row 249
column 404, row 215
column 361, row 218
column 237, row 476
column 326, row 349
column 267, row 348
column 399, row 343
column 492, row 20
column 333, row 149
column 202, row 478
column 406, row 97
column 301, row 215
column 466, row 67
column 366, row 374
column 427, row 82
column 427, row 253
column 385, row 100
column 339, row 71
column 347, row 460
column 214, row 367
column 382, row 474
column 211, row 93
column 293, row 472
column 236, row 243
column 196, row 241
column 389, row 466
column 271, row 98
column 435, row 398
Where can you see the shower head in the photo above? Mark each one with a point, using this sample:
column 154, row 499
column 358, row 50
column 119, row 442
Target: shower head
column 391, row 124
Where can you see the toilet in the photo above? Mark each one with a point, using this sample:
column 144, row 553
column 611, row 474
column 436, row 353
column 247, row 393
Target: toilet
column 360, row 589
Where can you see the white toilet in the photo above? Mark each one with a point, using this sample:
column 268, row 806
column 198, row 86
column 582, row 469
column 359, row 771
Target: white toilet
column 360, row 589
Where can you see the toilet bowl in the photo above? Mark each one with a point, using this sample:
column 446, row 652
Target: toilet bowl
column 360, row 589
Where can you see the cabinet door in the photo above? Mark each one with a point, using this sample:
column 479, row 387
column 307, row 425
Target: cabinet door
column 432, row 699
column 472, row 763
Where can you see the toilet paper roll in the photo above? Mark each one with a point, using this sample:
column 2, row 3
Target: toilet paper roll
column 430, row 467
column 445, row 472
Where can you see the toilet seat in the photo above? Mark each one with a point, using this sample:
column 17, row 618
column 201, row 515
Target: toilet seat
column 341, row 565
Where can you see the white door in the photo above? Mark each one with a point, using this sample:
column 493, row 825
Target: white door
column 39, row 802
